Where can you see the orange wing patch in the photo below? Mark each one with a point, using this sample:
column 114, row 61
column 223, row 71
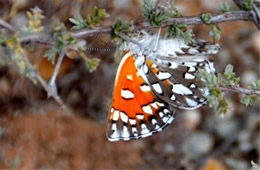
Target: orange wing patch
column 130, row 91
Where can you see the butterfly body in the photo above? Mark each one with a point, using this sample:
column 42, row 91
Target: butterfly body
column 153, row 79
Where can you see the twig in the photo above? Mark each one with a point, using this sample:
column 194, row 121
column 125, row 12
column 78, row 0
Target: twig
column 240, row 90
column 7, row 26
column 255, row 12
column 52, row 82
column 44, row 84
column 36, row 75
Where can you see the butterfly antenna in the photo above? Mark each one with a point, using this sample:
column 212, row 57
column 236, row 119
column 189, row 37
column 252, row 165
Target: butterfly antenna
column 157, row 40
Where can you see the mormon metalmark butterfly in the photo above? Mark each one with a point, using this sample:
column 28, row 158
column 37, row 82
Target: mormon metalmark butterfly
column 154, row 77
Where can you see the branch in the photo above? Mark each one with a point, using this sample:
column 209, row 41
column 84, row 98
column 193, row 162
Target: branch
column 7, row 26
column 52, row 82
column 240, row 90
column 36, row 75
column 225, row 17
column 255, row 12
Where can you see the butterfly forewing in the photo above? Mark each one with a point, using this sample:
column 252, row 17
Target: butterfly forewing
column 135, row 111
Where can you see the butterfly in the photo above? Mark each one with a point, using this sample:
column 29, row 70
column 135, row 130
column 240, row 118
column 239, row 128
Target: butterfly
column 154, row 77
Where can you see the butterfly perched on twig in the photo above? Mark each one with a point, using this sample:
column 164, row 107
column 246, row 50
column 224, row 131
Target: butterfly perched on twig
column 154, row 77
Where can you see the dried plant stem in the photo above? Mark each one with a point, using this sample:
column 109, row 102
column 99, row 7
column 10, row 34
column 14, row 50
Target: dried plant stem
column 225, row 17
column 240, row 90
column 52, row 82
column 7, row 26
column 49, row 91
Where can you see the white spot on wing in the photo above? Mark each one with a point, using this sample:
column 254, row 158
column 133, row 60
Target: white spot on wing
column 163, row 75
column 181, row 89
column 123, row 117
column 154, row 122
column 165, row 119
column 144, row 129
column 145, row 88
column 139, row 61
column 189, row 76
column 192, row 69
column 156, row 127
column 134, row 131
column 191, row 102
column 116, row 115
column 173, row 98
column 129, row 77
column 145, row 69
column 161, row 114
column 192, row 86
column 154, row 105
column 173, row 65
column 140, row 116
column 147, row 109
column 115, row 134
column 132, row 121
column 125, row 133
column 127, row 94
column 166, row 111
column 157, row 88
column 160, row 104
column 190, row 64
column 193, row 51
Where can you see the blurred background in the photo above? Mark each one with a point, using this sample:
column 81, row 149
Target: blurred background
column 36, row 133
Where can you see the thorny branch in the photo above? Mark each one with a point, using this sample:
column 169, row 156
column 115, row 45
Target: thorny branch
column 225, row 17
column 255, row 12
column 240, row 90
column 46, row 39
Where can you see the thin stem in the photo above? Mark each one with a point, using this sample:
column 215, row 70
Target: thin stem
column 52, row 82
column 240, row 90
column 44, row 84
column 7, row 26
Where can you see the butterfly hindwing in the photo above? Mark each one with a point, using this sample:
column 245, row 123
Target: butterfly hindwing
column 178, row 85
column 135, row 111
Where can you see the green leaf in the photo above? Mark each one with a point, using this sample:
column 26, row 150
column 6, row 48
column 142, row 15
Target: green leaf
column 206, row 18
column 181, row 31
column 79, row 23
column 156, row 16
column 50, row 54
column 208, row 78
column 148, row 6
column 254, row 166
column 231, row 79
column 121, row 26
column 255, row 85
column 93, row 64
column 223, row 7
column 248, row 5
column 215, row 32
column 96, row 17
column 250, row 100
